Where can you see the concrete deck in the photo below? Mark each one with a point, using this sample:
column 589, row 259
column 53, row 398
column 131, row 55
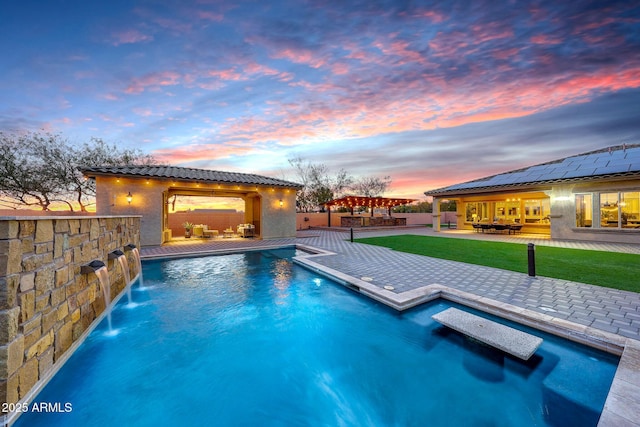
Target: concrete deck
column 605, row 318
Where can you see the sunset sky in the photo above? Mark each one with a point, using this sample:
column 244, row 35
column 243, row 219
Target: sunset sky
column 429, row 92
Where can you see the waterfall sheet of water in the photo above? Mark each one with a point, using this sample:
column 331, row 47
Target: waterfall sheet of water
column 124, row 264
column 136, row 255
column 105, row 284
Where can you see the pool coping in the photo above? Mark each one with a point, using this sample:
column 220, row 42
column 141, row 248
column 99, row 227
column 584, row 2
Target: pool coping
column 622, row 405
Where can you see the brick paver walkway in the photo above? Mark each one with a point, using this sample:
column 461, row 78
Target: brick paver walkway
column 606, row 309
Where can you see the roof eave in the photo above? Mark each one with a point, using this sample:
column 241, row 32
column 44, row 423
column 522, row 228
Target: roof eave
column 92, row 173
column 529, row 186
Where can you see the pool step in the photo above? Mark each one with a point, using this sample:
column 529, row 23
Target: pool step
column 517, row 343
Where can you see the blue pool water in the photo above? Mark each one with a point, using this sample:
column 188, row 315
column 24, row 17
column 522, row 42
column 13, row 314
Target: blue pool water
column 251, row 339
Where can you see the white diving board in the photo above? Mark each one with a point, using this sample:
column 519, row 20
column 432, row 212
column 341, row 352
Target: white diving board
column 509, row 340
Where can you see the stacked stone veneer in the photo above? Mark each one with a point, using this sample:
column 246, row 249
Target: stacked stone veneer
column 46, row 304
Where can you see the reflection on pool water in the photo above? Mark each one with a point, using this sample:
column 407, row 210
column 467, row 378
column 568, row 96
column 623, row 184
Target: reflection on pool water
column 251, row 339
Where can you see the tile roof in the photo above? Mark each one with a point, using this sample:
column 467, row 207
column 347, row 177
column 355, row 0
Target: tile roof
column 191, row 174
column 616, row 161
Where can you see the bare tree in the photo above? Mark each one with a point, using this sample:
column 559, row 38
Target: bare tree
column 40, row 169
column 371, row 186
column 320, row 186
column 25, row 177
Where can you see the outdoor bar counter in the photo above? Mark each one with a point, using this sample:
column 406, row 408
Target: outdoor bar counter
column 370, row 221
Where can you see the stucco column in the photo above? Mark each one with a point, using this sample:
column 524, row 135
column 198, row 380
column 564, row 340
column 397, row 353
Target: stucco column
column 436, row 214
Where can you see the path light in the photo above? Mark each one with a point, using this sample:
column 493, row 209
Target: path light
column 129, row 197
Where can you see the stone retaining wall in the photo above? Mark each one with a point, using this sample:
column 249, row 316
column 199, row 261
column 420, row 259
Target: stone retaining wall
column 46, row 303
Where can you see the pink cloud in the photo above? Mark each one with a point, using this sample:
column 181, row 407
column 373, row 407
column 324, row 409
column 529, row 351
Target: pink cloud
column 197, row 152
column 144, row 112
column 153, row 80
column 545, row 39
column 300, row 56
column 331, row 112
column 227, row 74
column 210, row 16
column 129, row 37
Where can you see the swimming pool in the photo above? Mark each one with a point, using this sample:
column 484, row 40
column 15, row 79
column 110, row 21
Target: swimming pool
column 251, row 339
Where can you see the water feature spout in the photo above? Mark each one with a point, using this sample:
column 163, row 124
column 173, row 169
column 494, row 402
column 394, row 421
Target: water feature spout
column 115, row 254
column 100, row 269
column 136, row 255
column 124, row 265
column 91, row 267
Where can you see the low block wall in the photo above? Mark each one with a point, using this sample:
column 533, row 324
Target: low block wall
column 307, row 220
column 46, row 303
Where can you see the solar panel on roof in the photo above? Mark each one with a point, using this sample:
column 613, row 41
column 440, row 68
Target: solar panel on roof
column 555, row 174
column 633, row 154
column 579, row 173
column 537, row 168
column 613, row 169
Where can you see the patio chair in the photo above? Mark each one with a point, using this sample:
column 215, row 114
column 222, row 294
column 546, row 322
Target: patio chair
column 516, row 228
column 198, row 231
column 501, row 227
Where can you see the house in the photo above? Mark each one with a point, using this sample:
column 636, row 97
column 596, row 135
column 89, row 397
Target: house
column 590, row 196
column 270, row 203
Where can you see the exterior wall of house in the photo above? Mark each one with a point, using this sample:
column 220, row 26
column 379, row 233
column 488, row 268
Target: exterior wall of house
column 46, row 302
column 276, row 220
column 147, row 201
column 563, row 208
column 561, row 222
column 262, row 206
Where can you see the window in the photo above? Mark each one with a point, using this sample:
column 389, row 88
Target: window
column 536, row 211
column 609, row 212
column 476, row 211
column 584, row 210
column 508, row 211
column 617, row 210
column 630, row 209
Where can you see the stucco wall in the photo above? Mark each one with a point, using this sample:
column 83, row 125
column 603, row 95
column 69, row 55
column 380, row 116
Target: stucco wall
column 563, row 214
column 147, row 201
column 46, row 303
column 278, row 221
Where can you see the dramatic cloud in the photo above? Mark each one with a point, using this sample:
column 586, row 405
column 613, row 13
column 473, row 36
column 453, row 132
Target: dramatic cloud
column 430, row 93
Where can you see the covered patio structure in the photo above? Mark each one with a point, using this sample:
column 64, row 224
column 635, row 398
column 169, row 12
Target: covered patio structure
column 352, row 202
column 269, row 203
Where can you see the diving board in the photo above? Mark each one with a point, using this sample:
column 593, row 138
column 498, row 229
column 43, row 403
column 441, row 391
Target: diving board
column 509, row 340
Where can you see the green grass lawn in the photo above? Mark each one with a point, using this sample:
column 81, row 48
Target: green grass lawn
column 609, row 269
